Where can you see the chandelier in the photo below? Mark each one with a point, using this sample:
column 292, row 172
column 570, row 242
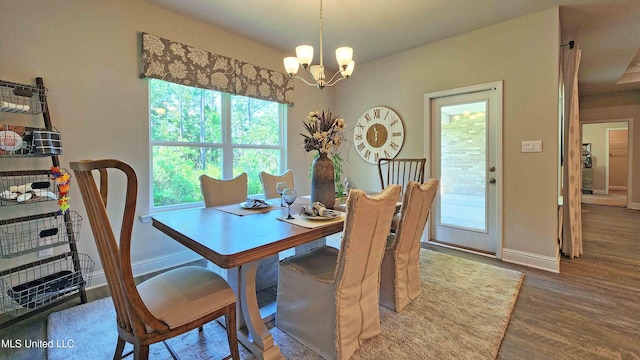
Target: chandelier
column 304, row 56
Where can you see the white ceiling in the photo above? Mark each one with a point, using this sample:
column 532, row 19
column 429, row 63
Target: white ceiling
column 608, row 31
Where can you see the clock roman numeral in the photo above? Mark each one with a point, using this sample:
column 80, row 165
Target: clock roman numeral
column 358, row 136
column 376, row 113
column 386, row 154
column 360, row 126
column 396, row 134
column 394, row 122
column 360, row 146
column 367, row 154
column 387, row 114
column 394, row 145
column 377, row 156
column 368, row 117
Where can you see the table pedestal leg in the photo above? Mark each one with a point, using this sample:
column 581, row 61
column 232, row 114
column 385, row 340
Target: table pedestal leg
column 257, row 339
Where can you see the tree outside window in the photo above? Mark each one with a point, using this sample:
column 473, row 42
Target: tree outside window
column 197, row 131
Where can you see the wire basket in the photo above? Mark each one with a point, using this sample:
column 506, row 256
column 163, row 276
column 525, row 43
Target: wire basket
column 26, row 186
column 29, row 234
column 38, row 284
column 24, row 141
column 20, row 98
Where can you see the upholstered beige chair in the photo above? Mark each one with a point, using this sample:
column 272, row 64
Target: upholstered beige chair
column 218, row 192
column 328, row 298
column 400, row 274
column 165, row 305
column 269, row 182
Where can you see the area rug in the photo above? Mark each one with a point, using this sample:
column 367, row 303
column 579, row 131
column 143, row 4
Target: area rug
column 462, row 313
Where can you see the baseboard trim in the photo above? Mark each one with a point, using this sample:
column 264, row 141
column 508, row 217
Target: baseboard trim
column 150, row 265
column 635, row 206
column 617, row 187
column 600, row 192
column 537, row 261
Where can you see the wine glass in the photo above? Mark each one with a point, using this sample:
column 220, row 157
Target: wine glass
column 289, row 195
column 280, row 188
column 349, row 184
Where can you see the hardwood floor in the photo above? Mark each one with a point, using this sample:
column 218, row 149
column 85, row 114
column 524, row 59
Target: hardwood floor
column 591, row 310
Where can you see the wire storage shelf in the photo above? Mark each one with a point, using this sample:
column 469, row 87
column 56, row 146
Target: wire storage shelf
column 32, row 233
column 26, row 186
column 38, row 284
column 20, row 98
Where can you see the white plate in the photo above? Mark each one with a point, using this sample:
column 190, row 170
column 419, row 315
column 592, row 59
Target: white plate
column 244, row 205
column 10, row 141
column 320, row 218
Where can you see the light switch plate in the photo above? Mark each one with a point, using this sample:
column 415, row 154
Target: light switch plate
column 532, row 146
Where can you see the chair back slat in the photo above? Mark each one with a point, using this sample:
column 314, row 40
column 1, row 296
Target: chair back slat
column 401, row 171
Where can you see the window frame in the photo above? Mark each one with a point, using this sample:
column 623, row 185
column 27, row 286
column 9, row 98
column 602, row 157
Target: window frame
column 226, row 146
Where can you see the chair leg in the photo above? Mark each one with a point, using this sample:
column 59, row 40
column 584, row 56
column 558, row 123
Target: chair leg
column 119, row 349
column 200, row 329
column 141, row 352
column 232, row 333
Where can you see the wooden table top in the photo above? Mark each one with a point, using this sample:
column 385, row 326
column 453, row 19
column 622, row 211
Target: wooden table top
column 231, row 240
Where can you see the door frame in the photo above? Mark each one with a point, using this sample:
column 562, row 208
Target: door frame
column 629, row 122
column 498, row 87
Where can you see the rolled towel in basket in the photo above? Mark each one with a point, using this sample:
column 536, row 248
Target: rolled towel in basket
column 5, row 105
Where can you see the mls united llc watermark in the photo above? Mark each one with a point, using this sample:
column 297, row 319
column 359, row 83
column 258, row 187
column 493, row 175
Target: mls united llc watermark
column 36, row 344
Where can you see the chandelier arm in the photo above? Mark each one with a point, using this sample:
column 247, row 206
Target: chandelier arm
column 335, row 82
column 334, row 78
column 305, row 81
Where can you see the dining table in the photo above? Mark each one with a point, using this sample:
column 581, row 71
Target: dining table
column 236, row 238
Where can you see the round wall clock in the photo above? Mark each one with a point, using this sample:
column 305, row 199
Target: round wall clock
column 379, row 133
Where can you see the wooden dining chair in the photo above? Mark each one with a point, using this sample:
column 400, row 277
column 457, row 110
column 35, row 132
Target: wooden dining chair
column 217, row 192
column 400, row 171
column 269, row 182
column 328, row 298
column 165, row 305
column 400, row 273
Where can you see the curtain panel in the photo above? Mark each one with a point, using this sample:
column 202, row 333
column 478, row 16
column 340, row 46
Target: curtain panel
column 572, row 189
column 187, row 65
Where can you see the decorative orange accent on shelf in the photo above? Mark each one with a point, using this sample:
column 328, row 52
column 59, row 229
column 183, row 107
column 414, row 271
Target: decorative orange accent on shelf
column 62, row 179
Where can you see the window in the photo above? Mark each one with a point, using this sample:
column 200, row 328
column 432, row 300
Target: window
column 197, row 131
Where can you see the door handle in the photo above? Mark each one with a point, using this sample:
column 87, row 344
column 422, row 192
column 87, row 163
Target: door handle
column 492, row 168
column 492, row 181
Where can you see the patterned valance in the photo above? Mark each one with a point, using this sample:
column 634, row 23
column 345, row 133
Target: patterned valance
column 186, row 65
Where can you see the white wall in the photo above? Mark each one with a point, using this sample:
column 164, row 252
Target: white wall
column 87, row 52
column 524, row 54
